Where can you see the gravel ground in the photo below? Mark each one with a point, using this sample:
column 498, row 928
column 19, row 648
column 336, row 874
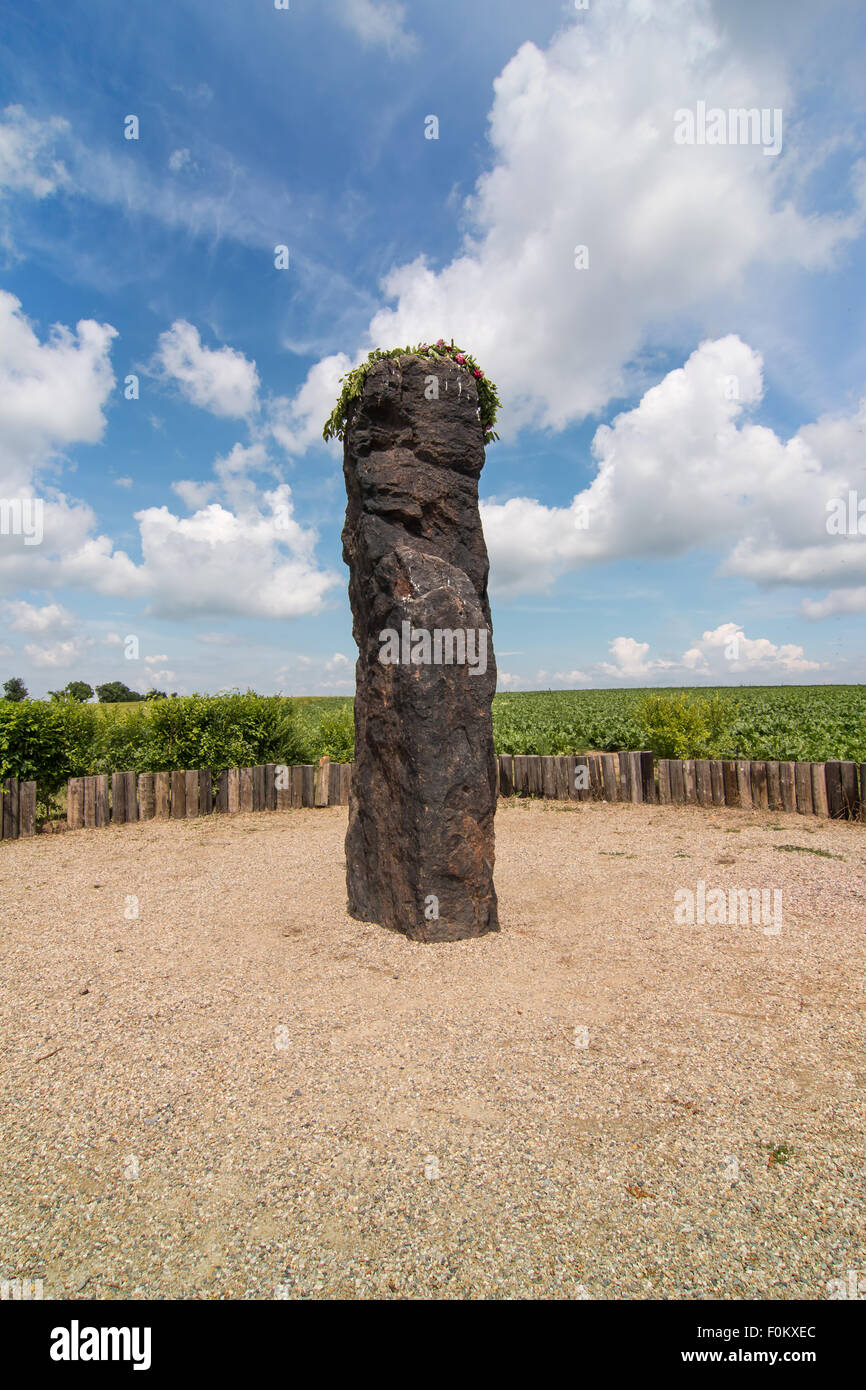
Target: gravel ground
column 243, row 1093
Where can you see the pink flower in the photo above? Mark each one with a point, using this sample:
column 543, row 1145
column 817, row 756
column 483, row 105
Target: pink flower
column 440, row 342
column 459, row 357
column 423, row 348
column 477, row 373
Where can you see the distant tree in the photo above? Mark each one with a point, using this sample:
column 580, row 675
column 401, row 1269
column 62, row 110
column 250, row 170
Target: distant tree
column 80, row 691
column 15, row 689
column 155, row 695
column 115, row 692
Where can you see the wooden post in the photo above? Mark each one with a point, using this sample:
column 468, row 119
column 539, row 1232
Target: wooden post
column 259, row 794
column 703, row 782
column 789, row 789
column 118, row 798
column 321, row 781
column 760, row 794
column 676, row 772
column 308, row 784
column 820, row 806
column 774, row 786
column 101, row 799
column 26, row 809
column 596, row 777
column 89, row 802
column 863, row 791
column 835, row 797
column 689, row 782
column 561, row 773
column 717, row 781
column 345, row 782
column 129, row 795
column 803, row 787
column 664, row 781
column 205, row 791
column 635, row 787
column 649, row 794
column 506, row 774
column 270, row 787
column 162, row 795
column 297, row 786
column 283, row 786
column 246, row 789
column 744, row 782
column 548, row 777
column 608, row 777
column 190, row 793
column 581, row 766
column 146, row 796
column 850, row 790
column 334, row 784
column 234, row 790
column 178, row 795
column 624, row 775
column 11, row 809
column 732, row 786
column 75, row 803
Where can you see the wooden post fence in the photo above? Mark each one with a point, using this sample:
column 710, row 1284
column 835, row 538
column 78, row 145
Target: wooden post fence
column 835, row 790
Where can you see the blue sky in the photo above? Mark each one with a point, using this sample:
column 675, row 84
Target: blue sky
column 679, row 412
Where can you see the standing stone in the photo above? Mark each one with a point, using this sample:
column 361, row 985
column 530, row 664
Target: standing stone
column 419, row 848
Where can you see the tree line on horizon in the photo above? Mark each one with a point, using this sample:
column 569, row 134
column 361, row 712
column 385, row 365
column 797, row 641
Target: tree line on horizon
column 109, row 693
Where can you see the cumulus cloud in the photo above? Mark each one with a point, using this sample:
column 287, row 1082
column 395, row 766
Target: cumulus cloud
column 220, row 380
column 58, row 655
column 726, row 649
column 584, row 155
column 241, row 550
column 687, row 468
column 52, row 394
column 258, row 562
column 28, row 617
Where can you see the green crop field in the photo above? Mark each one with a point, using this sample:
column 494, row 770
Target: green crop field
column 815, row 723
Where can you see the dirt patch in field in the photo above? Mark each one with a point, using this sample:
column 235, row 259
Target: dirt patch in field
column 242, row 1092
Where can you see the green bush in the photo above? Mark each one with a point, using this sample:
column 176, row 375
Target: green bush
column 336, row 736
column 685, row 726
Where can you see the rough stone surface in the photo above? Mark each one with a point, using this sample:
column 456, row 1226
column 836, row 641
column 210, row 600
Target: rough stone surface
column 424, row 788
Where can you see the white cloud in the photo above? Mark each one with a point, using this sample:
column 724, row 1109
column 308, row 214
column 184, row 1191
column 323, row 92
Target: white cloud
column 258, row 562
column 297, row 423
column 177, row 160
column 27, row 617
column 721, row 653
column 338, row 662
column 27, row 163
column 378, row 23
column 220, row 380
column 123, row 482
column 582, row 138
column 52, row 394
column 836, row 603
column 727, row 650
column 687, row 469
column 59, row 655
